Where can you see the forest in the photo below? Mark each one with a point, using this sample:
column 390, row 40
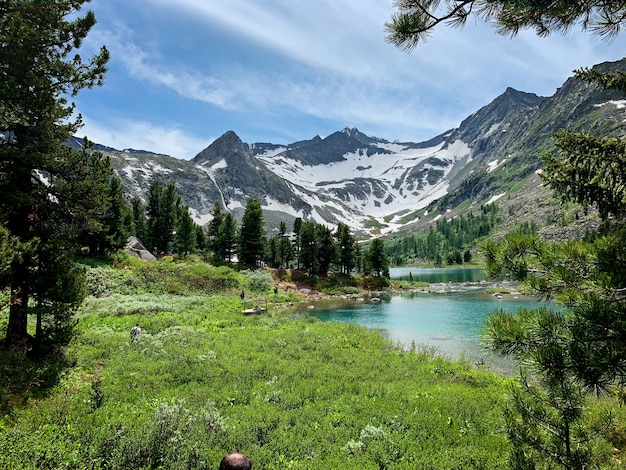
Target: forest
column 447, row 242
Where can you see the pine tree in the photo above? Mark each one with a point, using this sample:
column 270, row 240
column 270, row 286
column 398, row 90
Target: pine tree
column 140, row 223
column 297, row 226
column 285, row 251
column 162, row 214
column 153, row 215
column 186, row 233
column 227, row 238
column 308, row 258
column 358, row 258
column 378, row 259
column 252, row 234
column 416, row 19
column 201, row 239
column 36, row 170
column 327, row 251
column 116, row 221
column 213, row 230
column 272, row 258
column 171, row 210
column 345, row 247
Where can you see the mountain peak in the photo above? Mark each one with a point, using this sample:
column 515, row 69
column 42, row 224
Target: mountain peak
column 230, row 138
column 354, row 133
column 227, row 143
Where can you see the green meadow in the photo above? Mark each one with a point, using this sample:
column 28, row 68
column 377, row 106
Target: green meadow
column 203, row 379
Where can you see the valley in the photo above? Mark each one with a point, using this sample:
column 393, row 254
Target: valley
column 378, row 187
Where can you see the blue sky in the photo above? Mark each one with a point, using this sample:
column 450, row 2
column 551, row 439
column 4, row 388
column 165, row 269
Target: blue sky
column 184, row 72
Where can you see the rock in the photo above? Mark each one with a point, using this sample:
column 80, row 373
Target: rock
column 135, row 248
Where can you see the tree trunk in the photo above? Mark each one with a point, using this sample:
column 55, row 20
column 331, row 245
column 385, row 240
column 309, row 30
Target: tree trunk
column 17, row 329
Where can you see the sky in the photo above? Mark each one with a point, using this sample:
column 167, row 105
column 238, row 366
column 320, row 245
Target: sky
column 184, row 72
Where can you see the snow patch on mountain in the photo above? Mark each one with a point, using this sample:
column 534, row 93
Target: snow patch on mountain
column 494, row 164
column 274, row 205
column 619, row 104
column 376, row 184
column 494, row 198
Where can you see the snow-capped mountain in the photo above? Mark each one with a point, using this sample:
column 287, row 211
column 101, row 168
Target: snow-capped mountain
column 371, row 184
column 376, row 179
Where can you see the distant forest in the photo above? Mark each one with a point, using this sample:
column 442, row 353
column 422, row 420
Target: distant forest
column 447, row 242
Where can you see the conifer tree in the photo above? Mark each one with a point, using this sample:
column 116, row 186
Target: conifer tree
column 115, row 220
column 118, row 222
column 415, row 20
column 153, row 215
column 7, row 251
column 201, row 240
column 358, row 258
column 213, row 229
column 140, row 223
column 327, row 251
column 186, row 234
column 345, row 249
column 272, row 257
column 252, row 234
column 297, row 226
column 37, row 171
column 162, row 211
column 227, row 238
column 308, row 258
column 284, row 246
column 378, row 259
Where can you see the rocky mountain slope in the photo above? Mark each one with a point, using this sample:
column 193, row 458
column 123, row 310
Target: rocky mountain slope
column 374, row 185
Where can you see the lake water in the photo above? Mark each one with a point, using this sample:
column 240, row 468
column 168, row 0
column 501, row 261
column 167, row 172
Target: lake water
column 434, row 275
column 450, row 322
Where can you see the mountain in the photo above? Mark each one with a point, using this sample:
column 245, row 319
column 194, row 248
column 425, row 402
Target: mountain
column 377, row 186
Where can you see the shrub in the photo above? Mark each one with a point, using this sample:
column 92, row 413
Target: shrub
column 258, row 280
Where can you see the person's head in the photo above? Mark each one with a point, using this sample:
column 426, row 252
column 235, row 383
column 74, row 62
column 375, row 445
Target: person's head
column 235, row 461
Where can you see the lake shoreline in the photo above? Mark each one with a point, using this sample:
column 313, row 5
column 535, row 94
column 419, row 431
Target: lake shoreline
column 316, row 304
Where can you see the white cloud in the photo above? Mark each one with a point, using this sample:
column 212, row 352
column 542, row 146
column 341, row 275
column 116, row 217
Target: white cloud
column 126, row 134
column 150, row 66
column 272, row 64
column 335, row 35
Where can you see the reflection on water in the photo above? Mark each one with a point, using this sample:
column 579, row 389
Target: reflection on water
column 433, row 275
column 451, row 322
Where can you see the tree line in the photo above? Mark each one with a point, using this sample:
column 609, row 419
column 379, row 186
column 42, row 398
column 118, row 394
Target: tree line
column 448, row 241
column 309, row 246
column 165, row 226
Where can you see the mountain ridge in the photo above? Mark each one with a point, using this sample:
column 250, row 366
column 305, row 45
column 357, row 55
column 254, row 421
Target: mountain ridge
column 373, row 185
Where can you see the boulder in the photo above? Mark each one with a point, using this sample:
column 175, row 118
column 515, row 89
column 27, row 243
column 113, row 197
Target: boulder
column 135, row 248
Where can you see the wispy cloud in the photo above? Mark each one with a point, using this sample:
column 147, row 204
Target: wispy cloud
column 138, row 135
column 322, row 34
column 275, row 69
column 151, row 67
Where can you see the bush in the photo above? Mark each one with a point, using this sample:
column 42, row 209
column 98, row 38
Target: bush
column 374, row 282
column 258, row 280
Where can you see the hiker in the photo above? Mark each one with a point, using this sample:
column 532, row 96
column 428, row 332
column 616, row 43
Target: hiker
column 235, row 461
column 135, row 331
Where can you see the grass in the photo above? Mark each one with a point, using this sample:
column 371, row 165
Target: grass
column 203, row 379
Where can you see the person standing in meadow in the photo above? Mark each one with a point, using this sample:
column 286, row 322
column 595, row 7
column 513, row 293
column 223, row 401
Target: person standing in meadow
column 135, row 331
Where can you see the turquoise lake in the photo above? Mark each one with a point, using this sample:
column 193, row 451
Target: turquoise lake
column 434, row 275
column 450, row 322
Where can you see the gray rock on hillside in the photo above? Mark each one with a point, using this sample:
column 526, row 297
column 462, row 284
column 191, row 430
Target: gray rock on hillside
column 135, row 248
